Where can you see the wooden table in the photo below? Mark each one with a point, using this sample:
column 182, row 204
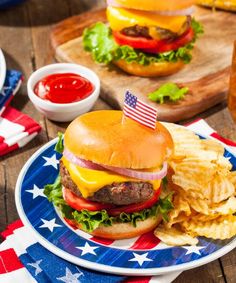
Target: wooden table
column 24, row 38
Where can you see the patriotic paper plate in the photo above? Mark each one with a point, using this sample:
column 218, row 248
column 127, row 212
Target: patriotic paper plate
column 2, row 69
column 144, row 255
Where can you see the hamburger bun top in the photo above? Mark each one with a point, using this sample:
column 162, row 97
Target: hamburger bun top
column 155, row 5
column 103, row 138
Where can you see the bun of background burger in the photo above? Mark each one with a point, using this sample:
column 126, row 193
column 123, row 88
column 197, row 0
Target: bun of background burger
column 228, row 5
column 101, row 137
column 167, row 15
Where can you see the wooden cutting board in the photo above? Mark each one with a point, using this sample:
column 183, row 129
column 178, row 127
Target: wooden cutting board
column 206, row 76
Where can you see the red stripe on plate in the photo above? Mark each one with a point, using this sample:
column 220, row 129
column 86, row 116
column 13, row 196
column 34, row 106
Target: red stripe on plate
column 9, row 261
column 105, row 242
column 226, row 141
column 145, row 241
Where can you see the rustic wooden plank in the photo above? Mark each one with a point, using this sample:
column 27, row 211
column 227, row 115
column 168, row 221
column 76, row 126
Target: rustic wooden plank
column 77, row 7
column 223, row 123
column 203, row 274
column 42, row 15
column 229, row 266
column 15, row 38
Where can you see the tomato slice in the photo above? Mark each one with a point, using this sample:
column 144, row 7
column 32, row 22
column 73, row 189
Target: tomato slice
column 80, row 203
column 134, row 41
column 136, row 206
column 165, row 46
column 152, row 45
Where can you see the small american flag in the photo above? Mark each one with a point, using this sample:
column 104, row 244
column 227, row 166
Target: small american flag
column 139, row 111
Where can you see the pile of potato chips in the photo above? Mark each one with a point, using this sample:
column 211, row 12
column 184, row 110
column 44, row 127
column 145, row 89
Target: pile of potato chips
column 204, row 191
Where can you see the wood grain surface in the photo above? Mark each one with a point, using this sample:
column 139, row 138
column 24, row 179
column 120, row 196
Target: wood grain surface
column 206, row 76
column 24, row 38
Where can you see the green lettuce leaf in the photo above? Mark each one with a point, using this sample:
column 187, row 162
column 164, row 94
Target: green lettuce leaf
column 59, row 147
column 90, row 220
column 168, row 90
column 99, row 41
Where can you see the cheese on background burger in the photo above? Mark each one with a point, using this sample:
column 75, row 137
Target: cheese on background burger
column 111, row 174
column 145, row 38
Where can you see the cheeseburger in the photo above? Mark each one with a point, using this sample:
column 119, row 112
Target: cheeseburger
column 145, row 38
column 228, row 5
column 111, row 173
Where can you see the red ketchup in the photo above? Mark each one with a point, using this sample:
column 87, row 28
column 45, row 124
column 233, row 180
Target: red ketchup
column 63, row 88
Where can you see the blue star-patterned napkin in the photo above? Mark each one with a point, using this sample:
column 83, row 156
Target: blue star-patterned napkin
column 12, row 84
column 38, row 262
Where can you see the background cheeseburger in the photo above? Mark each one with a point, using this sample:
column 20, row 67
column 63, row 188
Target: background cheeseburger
column 110, row 175
column 145, row 38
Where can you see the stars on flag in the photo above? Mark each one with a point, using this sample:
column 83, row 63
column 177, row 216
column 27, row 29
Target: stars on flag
column 87, row 249
column 36, row 192
column 50, row 224
column 140, row 258
column 36, row 266
column 51, row 161
column 70, row 277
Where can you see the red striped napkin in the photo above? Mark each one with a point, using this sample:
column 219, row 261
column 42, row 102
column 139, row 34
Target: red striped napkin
column 16, row 128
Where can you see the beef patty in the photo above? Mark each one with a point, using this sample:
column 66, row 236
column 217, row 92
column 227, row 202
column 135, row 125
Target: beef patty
column 116, row 193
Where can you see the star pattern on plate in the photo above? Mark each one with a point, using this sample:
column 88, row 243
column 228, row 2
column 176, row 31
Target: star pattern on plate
column 193, row 249
column 51, row 161
column 140, row 258
column 87, row 249
column 50, row 224
column 36, row 266
column 36, row 192
column 70, row 277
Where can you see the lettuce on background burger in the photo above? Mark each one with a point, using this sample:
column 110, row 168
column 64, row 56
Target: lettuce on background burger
column 145, row 38
column 111, row 175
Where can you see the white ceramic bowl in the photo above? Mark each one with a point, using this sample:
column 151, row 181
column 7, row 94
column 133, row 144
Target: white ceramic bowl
column 2, row 69
column 67, row 111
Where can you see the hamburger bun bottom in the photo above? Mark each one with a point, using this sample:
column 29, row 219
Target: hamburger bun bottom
column 121, row 231
column 153, row 70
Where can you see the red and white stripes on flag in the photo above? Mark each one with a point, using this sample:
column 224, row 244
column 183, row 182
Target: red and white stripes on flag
column 139, row 111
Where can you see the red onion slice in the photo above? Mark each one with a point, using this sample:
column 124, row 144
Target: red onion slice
column 183, row 12
column 157, row 175
column 81, row 162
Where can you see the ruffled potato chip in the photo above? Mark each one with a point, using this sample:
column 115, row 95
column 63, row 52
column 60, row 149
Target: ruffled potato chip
column 205, row 190
column 174, row 237
column 222, row 228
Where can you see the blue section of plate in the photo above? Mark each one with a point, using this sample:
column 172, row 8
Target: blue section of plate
column 43, row 218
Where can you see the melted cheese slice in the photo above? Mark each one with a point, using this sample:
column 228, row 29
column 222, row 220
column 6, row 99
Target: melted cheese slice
column 120, row 18
column 89, row 181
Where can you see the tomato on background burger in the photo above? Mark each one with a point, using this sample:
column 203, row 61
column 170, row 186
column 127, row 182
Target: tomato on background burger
column 109, row 185
column 145, row 38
